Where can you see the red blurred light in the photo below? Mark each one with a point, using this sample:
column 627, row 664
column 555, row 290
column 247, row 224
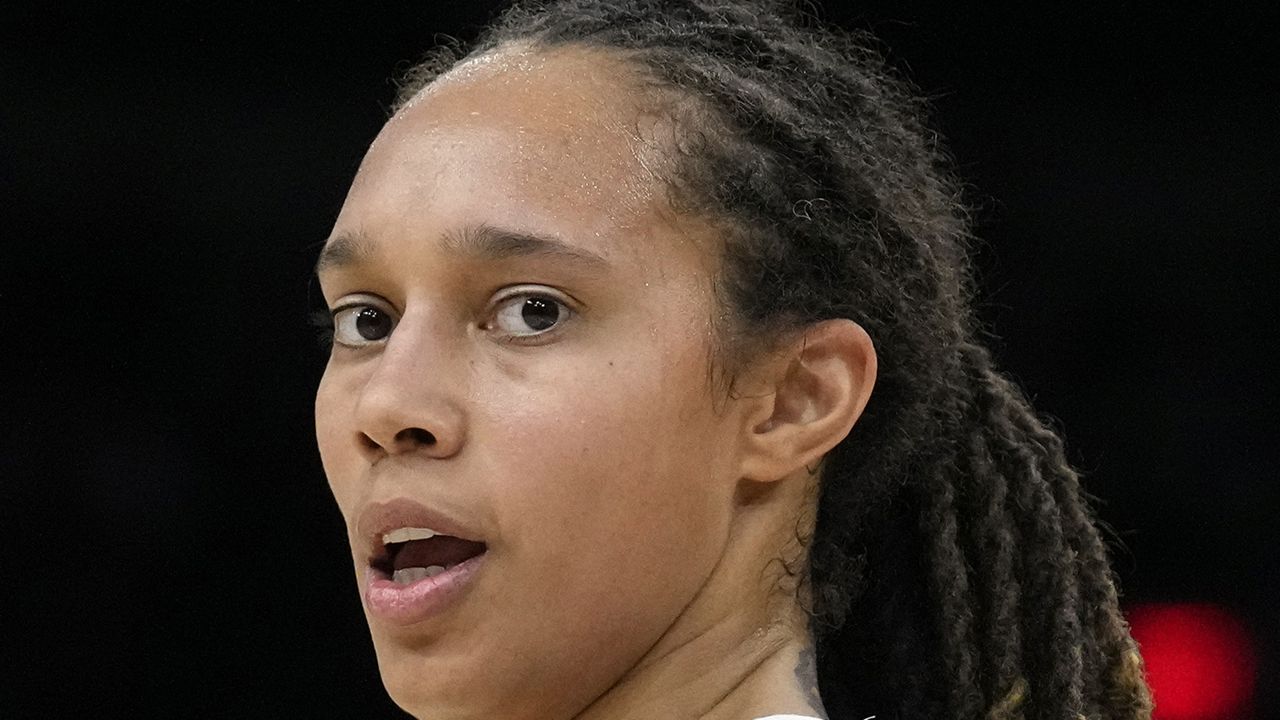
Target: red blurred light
column 1199, row 657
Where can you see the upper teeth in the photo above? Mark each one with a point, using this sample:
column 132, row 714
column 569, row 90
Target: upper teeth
column 400, row 535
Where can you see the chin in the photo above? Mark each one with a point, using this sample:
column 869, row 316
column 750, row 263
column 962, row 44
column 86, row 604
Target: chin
column 430, row 689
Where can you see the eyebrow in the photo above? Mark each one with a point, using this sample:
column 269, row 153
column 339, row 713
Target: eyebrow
column 483, row 242
column 344, row 251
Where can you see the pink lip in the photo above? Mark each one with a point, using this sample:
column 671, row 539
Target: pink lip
column 407, row 604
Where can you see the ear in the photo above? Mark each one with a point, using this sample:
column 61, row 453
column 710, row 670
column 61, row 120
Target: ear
column 817, row 387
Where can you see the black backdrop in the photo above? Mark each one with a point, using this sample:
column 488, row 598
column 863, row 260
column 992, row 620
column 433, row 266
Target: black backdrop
column 169, row 543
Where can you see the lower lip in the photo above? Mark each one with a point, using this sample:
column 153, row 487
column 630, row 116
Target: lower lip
column 419, row 600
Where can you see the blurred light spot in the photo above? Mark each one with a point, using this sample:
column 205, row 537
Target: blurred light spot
column 1199, row 657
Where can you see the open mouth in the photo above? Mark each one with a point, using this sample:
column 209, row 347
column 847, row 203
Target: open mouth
column 410, row 554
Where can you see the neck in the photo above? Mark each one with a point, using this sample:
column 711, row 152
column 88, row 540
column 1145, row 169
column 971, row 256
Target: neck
column 716, row 677
column 726, row 658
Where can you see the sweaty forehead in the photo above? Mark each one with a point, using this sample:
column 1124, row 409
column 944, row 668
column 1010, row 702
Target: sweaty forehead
column 560, row 128
column 576, row 79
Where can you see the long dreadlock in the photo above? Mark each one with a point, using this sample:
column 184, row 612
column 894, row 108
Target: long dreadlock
column 955, row 570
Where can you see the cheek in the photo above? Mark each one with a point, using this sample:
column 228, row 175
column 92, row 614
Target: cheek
column 333, row 406
column 603, row 482
column 613, row 481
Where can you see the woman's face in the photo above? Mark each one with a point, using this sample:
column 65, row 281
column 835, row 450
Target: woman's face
column 521, row 360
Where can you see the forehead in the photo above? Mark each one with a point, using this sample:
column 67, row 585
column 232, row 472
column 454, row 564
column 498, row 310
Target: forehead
column 544, row 138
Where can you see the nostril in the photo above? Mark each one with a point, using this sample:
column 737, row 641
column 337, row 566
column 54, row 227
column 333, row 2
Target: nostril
column 417, row 436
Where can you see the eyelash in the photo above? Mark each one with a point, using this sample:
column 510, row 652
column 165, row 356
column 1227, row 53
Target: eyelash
column 323, row 320
column 568, row 311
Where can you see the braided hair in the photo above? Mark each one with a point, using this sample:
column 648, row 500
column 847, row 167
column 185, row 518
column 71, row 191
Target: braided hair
column 954, row 569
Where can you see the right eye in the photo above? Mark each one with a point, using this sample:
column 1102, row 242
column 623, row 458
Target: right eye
column 361, row 325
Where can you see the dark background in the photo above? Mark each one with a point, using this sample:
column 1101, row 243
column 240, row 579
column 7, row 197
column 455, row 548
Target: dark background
column 170, row 545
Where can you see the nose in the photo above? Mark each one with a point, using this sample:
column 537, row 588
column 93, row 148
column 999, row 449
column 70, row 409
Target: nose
column 411, row 403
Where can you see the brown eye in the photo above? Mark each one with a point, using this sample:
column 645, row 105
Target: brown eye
column 373, row 324
column 528, row 315
column 360, row 325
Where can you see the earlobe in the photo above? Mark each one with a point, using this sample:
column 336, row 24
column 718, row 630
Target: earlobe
column 820, row 385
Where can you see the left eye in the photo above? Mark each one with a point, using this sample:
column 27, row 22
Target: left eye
column 528, row 315
column 360, row 325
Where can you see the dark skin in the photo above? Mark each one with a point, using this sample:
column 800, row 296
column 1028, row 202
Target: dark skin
column 664, row 477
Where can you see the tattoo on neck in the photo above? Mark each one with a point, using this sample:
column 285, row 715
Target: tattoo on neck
column 807, row 678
